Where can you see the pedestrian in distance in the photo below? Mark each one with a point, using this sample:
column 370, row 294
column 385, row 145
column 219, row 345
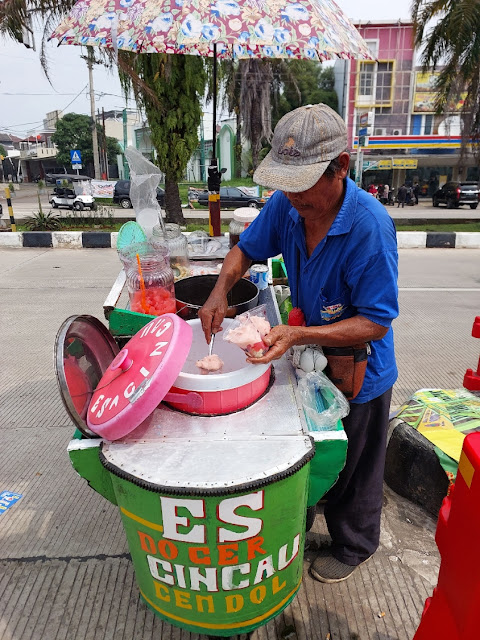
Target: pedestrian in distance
column 416, row 192
column 372, row 190
column 402, row 196
column 339, row 248
column 386, row 194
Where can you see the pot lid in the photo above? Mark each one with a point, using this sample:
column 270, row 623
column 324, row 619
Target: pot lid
column 84, row 348
column 139, row 377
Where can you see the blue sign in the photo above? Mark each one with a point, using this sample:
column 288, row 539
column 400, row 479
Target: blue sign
column 363, row 131
column 75, row 156
column 7, row 498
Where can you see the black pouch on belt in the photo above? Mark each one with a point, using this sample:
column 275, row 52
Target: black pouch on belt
column 346, row 367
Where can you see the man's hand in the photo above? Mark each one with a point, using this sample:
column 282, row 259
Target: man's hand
column 280, row 339
column 212, row 314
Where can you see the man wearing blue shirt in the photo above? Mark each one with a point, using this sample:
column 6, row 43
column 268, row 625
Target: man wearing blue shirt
column 339, row 247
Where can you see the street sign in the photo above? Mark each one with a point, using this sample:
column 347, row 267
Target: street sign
column 77, row 166
column 369, row 164
column 363, row 131
column 363, row 118
column 361, row 141
column 75, row 156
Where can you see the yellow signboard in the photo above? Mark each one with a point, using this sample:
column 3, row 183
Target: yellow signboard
column 405, row 163
column 426, row 94
column 384, row 164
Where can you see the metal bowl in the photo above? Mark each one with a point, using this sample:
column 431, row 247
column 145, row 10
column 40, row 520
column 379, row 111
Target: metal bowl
column 192, row 293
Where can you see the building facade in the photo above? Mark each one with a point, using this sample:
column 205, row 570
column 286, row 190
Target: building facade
column 389, row 106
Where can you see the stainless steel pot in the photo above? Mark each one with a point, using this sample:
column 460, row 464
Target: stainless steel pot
column 192, row 293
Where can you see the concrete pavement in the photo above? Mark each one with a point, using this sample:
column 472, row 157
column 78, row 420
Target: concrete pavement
column 66, row 572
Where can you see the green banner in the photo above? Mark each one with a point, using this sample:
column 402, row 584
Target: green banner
column 219, row 565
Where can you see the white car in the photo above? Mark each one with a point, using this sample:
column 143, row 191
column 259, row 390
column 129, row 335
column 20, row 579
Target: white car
column 66, row 197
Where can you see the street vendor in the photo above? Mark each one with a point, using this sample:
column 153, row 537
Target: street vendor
column 340, row 251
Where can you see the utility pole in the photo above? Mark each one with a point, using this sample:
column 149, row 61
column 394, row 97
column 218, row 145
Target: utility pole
column 96, row 161
column 105, row 154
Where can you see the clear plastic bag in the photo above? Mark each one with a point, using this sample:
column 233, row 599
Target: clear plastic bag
column 144, row 179
column 323, row 404
column 248, row 330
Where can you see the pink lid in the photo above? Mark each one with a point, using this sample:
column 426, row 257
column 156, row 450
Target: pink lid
column 139, row 377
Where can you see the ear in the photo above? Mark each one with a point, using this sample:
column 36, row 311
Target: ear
column 344, row 161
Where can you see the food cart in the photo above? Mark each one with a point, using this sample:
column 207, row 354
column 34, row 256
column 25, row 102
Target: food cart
column 213, row 501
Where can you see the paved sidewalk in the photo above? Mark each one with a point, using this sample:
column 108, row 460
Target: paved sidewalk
column 66, row 572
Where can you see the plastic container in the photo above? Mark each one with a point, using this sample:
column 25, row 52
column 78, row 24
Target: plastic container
column 150, row 284
column 241, row 219
column 177, row 247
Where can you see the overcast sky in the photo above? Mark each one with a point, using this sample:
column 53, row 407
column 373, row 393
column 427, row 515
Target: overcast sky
column 26, row 95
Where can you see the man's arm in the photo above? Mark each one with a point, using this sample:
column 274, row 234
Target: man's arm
column 339, row 334
column 213, row 311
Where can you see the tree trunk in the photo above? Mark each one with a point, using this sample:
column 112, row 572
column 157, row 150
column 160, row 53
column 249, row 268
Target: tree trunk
column 173, row 204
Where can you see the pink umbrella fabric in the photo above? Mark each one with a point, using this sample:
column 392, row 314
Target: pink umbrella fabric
column 312, row 29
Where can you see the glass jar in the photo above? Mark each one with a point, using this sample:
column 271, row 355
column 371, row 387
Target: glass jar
column 150, row 284
column 241, row 219
column 177, row 246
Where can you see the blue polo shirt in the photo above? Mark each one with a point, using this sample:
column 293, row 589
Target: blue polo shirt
column 352, row 271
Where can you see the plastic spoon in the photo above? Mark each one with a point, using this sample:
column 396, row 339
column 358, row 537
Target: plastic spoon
column 210, row 346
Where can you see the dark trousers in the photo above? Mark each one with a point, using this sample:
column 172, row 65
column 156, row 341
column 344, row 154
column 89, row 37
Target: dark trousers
column 354, row 503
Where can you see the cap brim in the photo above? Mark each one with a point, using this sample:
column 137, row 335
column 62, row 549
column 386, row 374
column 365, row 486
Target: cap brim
column 288, row 177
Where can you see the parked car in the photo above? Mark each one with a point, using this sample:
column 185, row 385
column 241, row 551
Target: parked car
column 233, row 197
column 121, row 194
column 455, row 194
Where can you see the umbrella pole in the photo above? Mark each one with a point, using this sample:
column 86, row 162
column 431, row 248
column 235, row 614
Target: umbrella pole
column 214, row 175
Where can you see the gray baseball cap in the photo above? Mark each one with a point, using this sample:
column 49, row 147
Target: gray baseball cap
column 304, row 143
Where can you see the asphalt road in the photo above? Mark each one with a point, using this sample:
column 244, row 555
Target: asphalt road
column 25, row 202
column 65, row 570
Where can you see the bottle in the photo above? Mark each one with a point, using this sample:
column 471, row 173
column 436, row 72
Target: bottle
column 177, row 245
column 242, row 217
column 150, row 283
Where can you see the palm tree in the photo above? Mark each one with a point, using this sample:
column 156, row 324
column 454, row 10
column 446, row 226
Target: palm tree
column 454, row 43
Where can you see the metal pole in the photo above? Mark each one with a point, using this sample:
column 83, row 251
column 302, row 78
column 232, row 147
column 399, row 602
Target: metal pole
column 105, row 154
column 96, row 161
column 214, row 135
column 214, row 175
column 126, row 168
column 10, row 209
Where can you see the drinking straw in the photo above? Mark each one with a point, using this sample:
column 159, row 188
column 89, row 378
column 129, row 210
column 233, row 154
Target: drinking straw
column 143, row 298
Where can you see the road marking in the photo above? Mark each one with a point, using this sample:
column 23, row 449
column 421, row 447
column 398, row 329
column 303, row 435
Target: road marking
column 453, row 289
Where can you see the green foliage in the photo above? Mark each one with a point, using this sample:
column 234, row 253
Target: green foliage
column 169, row 88
column 300, row 82
column 174, row 111
column 113, row 149
column 74, row 131
column 41, row 221
column 3, row 151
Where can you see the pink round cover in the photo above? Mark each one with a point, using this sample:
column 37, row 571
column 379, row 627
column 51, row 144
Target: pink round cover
column 139, row 377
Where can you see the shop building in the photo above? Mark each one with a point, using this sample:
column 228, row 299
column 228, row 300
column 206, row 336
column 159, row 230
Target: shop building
column 389, row 106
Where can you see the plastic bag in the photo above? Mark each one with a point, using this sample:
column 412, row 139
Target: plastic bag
column 308, row 358
column 323, row 404
column 144, row 179
column 248, row 330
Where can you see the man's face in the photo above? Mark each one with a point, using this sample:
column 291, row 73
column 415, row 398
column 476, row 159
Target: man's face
column 318, row 198
column 324, row 196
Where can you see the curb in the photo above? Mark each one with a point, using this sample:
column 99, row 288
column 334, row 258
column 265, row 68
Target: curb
column 102, row 240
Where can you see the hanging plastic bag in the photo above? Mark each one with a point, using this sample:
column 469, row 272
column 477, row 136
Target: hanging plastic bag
column 248, row 330
column 323, row 404
column 144, row 179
